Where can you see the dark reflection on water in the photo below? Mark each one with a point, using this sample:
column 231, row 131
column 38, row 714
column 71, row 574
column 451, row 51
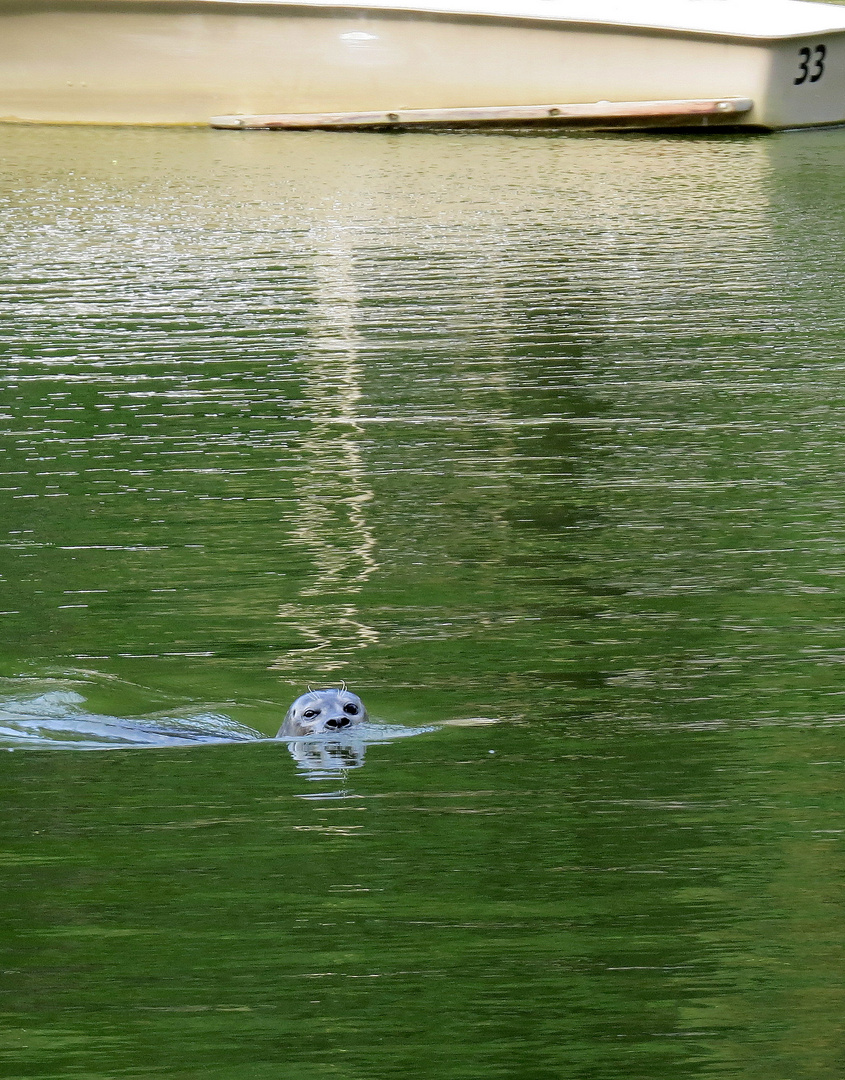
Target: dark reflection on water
column 538, row 430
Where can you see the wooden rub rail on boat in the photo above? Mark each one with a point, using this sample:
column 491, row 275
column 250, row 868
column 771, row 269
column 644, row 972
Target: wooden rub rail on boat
column 597, row 115
column 408, row 63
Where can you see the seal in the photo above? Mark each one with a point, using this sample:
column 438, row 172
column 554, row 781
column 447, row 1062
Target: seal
column 323, row 712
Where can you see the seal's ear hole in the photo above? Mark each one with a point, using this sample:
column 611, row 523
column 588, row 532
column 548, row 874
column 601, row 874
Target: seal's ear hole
column 350, row 708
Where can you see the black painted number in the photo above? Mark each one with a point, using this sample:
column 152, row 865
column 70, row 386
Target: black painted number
column 811, row 67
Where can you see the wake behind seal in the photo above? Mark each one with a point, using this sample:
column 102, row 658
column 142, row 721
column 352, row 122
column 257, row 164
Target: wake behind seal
column 326, row 711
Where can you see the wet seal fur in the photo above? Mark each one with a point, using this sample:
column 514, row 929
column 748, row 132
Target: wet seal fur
column 327, row 711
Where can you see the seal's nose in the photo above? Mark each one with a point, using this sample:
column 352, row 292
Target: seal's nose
column 337, row 722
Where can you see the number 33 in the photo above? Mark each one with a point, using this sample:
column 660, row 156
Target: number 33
column 807, row 54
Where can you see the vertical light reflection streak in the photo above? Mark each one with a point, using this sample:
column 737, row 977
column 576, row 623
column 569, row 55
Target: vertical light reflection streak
column 332, row 491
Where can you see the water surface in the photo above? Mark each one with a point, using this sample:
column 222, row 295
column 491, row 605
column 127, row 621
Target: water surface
column 541, row 430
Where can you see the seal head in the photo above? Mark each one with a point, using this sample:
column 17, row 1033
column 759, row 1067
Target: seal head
column 323, row 712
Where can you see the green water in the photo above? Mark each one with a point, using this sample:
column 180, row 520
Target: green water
column 539, row 430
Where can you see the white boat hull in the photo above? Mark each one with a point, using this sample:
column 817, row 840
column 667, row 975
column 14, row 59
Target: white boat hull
column 173, row 62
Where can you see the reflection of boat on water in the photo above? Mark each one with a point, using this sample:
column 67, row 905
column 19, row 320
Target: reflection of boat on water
column 333, row 491
column 399, row 62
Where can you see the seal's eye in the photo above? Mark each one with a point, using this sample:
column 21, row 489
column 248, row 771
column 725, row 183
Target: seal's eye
column 350, row 708
column 309, row 714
